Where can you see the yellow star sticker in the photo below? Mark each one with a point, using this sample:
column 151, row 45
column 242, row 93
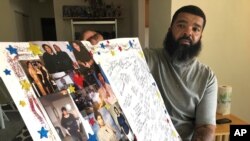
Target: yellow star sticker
column 113, row 53
column 141, row 54
column 71, row 89
column 22, row 103
column 35, row 49
column 174, row 134
column 25, row 85
column 158, row 95
column 107, row 106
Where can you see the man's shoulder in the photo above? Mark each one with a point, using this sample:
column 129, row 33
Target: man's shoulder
column 152, row 53
column 204, row 69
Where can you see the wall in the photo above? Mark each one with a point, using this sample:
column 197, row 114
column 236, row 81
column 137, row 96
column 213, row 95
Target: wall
column 40, row 10
column 226, row 46
column 138, row 20
column 7, row 32
column 63, row 27
column 159, row 21
column 8, row 26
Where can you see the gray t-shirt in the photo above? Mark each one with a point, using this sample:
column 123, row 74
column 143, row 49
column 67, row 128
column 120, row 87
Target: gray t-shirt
column 189, row 90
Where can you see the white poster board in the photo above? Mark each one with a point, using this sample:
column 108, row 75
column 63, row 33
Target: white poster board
column 106, row 87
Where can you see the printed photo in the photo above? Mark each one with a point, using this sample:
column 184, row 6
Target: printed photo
column 104, row 126
column 122, row 122
column 38, row 75
column 65, row 117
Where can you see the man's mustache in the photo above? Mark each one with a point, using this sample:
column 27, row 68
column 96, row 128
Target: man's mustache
column 185, row 38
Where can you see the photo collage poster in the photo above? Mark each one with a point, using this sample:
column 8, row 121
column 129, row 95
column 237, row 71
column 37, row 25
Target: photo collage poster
column 67, row 88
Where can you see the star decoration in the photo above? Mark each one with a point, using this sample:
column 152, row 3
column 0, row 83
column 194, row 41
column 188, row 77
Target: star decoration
column 43, row 133
column 141, row 54
column 25, row 85
column 91, row 121
column 158, row 95
column 174, row 134
column 69, row 47
column 130, row 43
column 12, row 50
column 107, row 106
column 7, row 72
column 90, row 54
column 35, row 49
column 102, row 45
column 153, row 84
column 71, row 89
column 92, row 137
column 112, row 53
column 120, row 48
column 22, row 103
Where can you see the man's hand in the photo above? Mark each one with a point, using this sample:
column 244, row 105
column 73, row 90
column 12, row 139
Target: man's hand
column 204, row 133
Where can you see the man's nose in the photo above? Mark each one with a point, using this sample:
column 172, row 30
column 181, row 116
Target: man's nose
column 188, row 31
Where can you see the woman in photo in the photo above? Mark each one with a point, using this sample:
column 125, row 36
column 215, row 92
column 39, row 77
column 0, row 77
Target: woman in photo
column 86, row 64
column 44, row 77
column 105, row 132
column 32, row 72
column 124, row 125
column 106, row 91
column 69, row 122
column 50, row 59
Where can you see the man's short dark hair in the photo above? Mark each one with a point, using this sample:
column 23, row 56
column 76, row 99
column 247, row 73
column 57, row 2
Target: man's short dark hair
column 192, row 10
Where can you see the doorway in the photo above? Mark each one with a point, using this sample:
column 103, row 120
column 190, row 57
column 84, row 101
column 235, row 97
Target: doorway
column 48, row 29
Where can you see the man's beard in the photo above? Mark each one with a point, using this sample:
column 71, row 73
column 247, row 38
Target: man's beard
column 179, row 51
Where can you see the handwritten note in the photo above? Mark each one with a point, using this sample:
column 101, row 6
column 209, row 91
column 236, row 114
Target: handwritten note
column 135, row 88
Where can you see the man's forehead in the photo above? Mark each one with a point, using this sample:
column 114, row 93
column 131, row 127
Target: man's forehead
column 189, row 17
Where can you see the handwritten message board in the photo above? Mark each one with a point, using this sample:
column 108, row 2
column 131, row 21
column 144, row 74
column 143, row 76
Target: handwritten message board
column 123, row 63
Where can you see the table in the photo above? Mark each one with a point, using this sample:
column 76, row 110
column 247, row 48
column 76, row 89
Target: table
column 223, row 130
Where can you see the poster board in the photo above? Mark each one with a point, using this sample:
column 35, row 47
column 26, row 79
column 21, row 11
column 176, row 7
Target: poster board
column 106, row 87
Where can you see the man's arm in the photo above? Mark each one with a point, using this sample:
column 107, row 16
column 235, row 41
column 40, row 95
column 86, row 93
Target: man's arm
column 204, row 133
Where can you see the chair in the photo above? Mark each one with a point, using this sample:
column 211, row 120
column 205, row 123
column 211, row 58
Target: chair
column 5, row 100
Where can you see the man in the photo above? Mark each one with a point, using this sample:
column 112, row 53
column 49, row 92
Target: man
column 188, row 87
column 92, row 36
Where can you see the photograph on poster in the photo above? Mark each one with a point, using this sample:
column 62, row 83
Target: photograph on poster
column 59, row 62
column 122, row 122
column 39, row 78
column 104, row 126
column 85, row 63
column 64, row 116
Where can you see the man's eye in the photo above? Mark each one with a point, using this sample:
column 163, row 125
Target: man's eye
column 181, row 25
column 196, row 29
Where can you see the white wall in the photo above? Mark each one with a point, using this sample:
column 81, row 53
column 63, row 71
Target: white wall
column 226, row 46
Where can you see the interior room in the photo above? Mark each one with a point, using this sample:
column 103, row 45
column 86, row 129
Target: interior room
column 225, row 40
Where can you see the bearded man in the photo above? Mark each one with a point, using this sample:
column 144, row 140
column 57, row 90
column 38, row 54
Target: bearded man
column 188, row 87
